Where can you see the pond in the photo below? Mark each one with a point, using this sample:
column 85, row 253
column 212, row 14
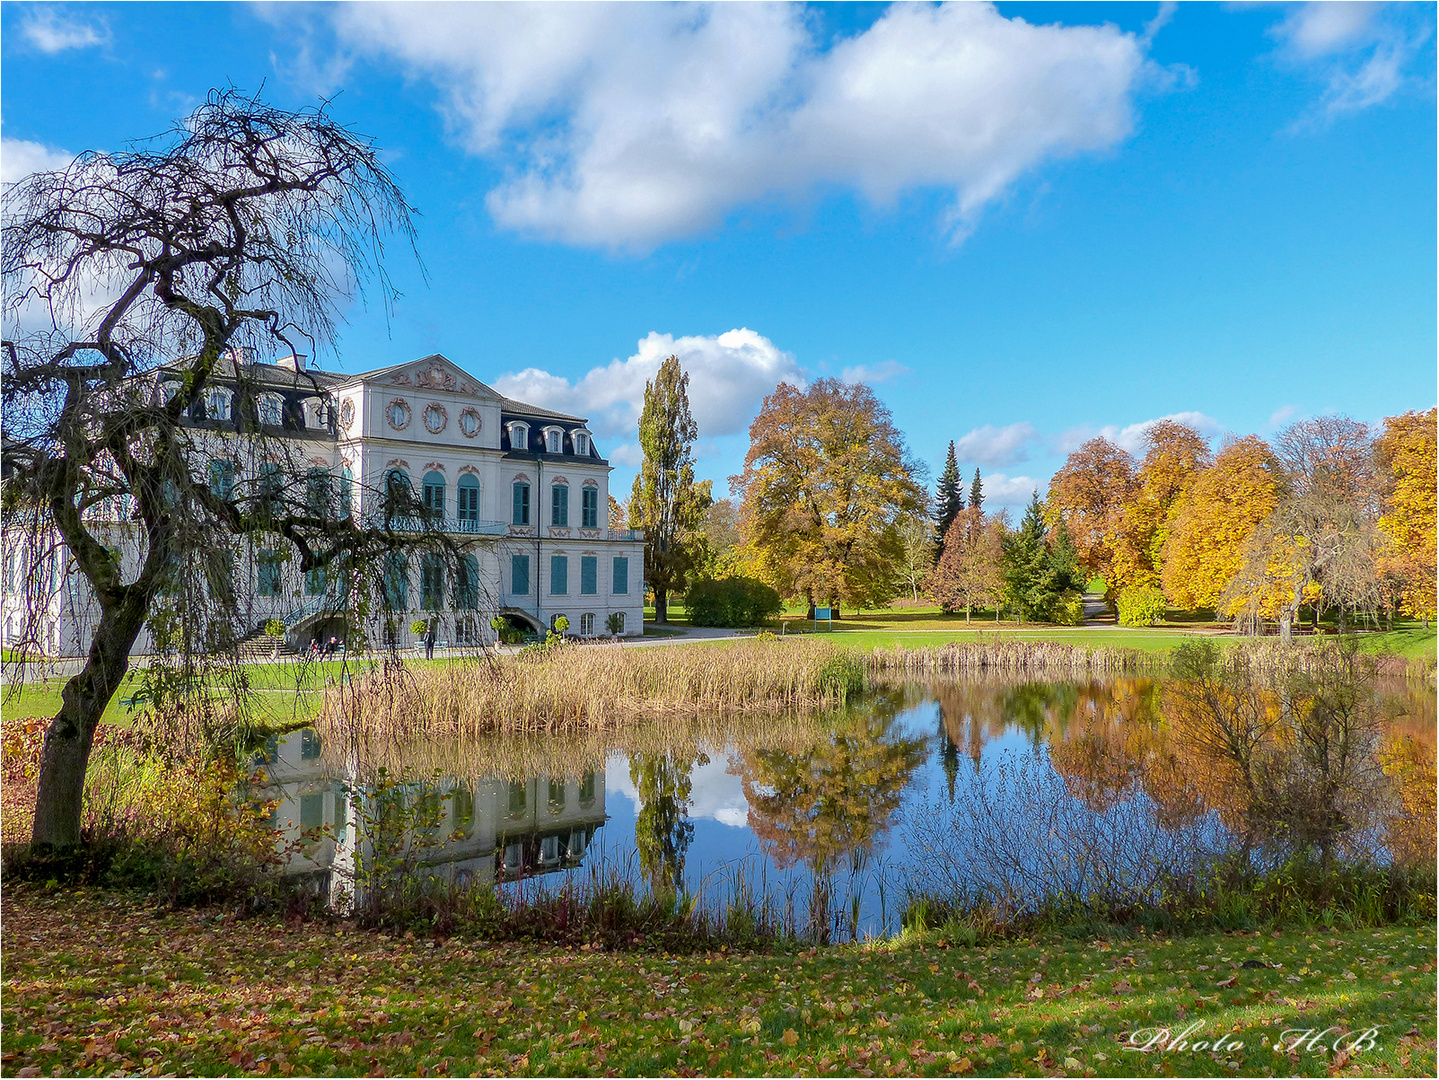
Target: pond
column 842, row 814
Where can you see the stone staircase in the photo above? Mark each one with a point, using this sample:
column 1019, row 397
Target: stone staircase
column 260, row 646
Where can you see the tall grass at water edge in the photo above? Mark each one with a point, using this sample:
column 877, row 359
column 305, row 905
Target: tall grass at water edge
column 597, row 688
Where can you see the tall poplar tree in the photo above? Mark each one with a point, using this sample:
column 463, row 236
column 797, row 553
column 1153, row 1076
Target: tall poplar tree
column 948, row 501
column 666, row 503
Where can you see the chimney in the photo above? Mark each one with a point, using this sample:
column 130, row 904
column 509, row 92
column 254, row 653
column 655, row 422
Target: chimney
column 294, row 362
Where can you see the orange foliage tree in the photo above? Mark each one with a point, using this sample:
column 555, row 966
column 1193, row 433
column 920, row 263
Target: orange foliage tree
column 1174, row 455
column 1090, row 495
column 1405, row 460
column 970, row 573
column 1212, row 522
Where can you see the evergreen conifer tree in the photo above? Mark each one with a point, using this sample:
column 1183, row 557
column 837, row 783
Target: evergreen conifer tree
column 976, row 493
column 948, row 501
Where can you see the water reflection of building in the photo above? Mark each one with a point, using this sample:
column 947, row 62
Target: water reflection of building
column 487, row 830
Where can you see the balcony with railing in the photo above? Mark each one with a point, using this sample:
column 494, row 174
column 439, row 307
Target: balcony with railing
column 450, row 525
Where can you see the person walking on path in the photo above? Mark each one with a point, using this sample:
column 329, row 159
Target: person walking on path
column 430, row 643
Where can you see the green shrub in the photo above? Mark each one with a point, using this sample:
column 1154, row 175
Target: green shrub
column 419, row 627
column 1139, row 606
column 1068, row 608
column 274, row 628
column 731, row 601
column 614, row 622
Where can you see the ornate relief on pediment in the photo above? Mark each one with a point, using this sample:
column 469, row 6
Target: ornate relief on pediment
column 435, row 377
column 401, row 378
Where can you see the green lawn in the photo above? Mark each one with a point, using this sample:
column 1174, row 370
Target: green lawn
column 196, row 992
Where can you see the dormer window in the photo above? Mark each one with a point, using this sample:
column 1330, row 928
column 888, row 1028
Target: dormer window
column 554, row 441
column 217, row 404
column 519, row 436
column 271, row 408
column 582, row 443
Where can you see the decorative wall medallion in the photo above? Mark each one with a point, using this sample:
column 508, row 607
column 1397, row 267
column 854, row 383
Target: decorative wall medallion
column 397, row 412
column 435, row 418
column 347, row 414
column 469, row 470
column 434, row 466
column 470, row 423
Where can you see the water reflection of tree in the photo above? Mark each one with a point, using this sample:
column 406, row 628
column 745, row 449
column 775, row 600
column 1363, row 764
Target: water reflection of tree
column 663, row 830
column 831, row 803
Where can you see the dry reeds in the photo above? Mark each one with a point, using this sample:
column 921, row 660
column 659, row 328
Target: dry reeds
column 594, row 688
column 1012, row 657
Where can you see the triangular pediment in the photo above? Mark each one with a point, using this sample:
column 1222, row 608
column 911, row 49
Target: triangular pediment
column 435, row 372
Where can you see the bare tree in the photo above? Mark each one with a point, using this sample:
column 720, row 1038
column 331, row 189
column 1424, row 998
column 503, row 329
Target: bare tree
column 1321, row 543
column 133, row 284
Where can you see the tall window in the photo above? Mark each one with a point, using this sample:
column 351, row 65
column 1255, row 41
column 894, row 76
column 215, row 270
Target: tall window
column 217, row 404
column 432, row 581
column 397, row 581
column 434, row 494
column 587, row 624
column 268, row 568
column 554, row 441
column 397, row 492
column 522, row 503
column 519, row 437
column 270, row 484
column 559, row 575
column 520, row 575
column 271, row 409
column 582, row 444
column 315, row 581
column 317, row 492
column 222, row 479
column 589, row 575
column 467, row 499
column 467, row 583
column 347, row 491
column 560, row 504
column 589, row 508
column 622, row 576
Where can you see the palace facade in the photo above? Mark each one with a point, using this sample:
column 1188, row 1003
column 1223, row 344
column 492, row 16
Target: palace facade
column 525, row 490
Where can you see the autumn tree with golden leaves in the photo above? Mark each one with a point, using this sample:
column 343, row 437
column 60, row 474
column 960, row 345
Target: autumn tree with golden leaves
column 1405, row 467
column 827, row 485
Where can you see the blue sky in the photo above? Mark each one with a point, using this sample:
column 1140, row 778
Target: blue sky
column 1024, row 224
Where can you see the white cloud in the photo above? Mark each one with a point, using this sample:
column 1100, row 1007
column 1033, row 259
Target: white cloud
column 1003, row 490
column 994, row 446
column 1362, row 50
column 1131, row 437
column 627, row 125
column 51, row 30
column 716, row 792
column 873, row 373
column 20, row 157
column 1283, row 415
column 730, row 374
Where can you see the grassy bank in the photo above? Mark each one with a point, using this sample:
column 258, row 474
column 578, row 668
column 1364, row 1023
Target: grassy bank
column 259, row 997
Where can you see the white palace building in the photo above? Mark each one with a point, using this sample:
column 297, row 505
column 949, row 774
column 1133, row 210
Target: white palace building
column 525, row 488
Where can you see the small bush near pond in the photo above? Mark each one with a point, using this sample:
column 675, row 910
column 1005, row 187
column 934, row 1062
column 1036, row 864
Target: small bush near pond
column 731, row 601
column 1141, row 607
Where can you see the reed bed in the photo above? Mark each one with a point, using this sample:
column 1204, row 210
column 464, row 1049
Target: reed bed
column 595, row 688
column 1006, row 657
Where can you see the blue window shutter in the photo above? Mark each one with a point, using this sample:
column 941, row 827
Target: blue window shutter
column 559, row 505
column 589, row 508
column 522, row 504
column 622, row 576
column 559, row 575
column 520, row 575
column 589, row 575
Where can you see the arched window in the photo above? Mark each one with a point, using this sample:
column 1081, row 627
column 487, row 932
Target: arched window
column 554, row 440
column 270, row 485
column 519, row 436
column 432, row 581
column 217, row 403
column 317, row 492
column 582, row 443
column 467, row 583
column 271, row 409
column 397, row 581
column 467, row 500
column 435, row 494
column 557, row 796
column 398, row 492
column 587, row 790
column 222, row 479
column 560, row 504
